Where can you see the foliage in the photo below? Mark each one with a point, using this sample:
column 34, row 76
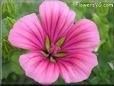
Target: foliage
column 102, row 16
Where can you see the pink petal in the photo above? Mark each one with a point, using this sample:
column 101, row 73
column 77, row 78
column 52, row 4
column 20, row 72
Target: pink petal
column 83, row 35
column 78, row 66
column 39, row 68
column 56, row 18
column 27, row 33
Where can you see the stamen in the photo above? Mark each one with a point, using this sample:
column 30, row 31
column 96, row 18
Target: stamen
column 47, row 43
column 52, row 59
column 60, row 42
column 60, row 54
column 48, row 55
column 44, row 53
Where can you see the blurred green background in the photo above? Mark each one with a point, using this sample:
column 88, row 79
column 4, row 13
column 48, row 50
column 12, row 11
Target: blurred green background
column 102, row 16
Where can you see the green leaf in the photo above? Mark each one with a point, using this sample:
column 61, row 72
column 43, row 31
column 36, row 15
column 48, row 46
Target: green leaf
column 4, row 28
column 15, row 63
column 17, row 69
column 94, row 80
column 6, row 70
column 97, row 48
column 60, row 42
column 111, row 64
column 60, row 81
column 10, row 22
column 15, row 57
column 8, row 9
column 10, row 67
column 102, row 11
column 47, row 43
column 103, row 27
column 61, row 54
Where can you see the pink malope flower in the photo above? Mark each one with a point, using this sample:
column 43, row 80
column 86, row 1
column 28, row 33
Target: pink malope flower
column 58, row 46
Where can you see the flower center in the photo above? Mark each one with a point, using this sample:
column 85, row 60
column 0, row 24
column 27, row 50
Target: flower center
column 53, row 49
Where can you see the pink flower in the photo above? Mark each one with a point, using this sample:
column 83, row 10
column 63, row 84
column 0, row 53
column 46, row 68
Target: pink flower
column 58, row 46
